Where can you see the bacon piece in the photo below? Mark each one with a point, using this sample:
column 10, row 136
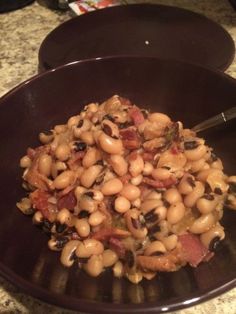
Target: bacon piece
column 148, row 156
column 107, row 233
column 75, row 158
column 125, row 179
column 130, row 138
column 67, row 201
column 160, row 184
column 39, row 200
column 193, row 250
column 136, row 115
column 117, row 246
column 170, row 261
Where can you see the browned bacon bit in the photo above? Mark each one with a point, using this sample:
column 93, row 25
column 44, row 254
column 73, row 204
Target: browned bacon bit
column 130, row 138
column 148, row 156
column 160, row 184
column 136, row 115
column 117, row 246
column 193, row 250
column 76, row 157
column 39, row 200
column 170, row 261
column 105, row 234
column 175, row 150
column 67, row 201
column 125, row 179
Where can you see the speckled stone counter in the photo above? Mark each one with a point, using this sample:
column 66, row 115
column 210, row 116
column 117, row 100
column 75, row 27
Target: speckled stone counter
column 21, row 33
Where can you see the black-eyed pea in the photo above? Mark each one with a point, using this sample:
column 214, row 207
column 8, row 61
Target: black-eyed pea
column 119, row 164
column 207, row 203
column 45, row 164
column 60, row 128
column 137, row 180
column 73, row 121
column 25, row 162
column 217, row 164
column 130, row 191
column 94, row 266
column 170, row 242
column 87, row 203
column 134, row 225
column 78, row 172
column 197, row 165
column 197, row 192
column 97, row 195
column 68, row 252
column 118, row 269
column 155, row 248
column 46, row 137
column 109, row 144
column 202, row 224
column 172, row 196
column 89, row 247
column 112, row 187
column 93, row 107
column 79, row 190
column 136, row 203
column 217, row 180
column 87, row 137
column 82, row 227
column 64, row 179
column 209, row 238
column 89, row 175
column 52, row 245
column 161, row 173
column 161, row 212
column 165, row 228
column 82, row 126
column 136, row 166
column 109, row 258
column 149, row 204
column 175, row 213
column 62, row 152
column 25, row 206
column 196, row 153
column 96, row 218
column 153, row 195
column 148, row 168
column 64, row 217
column 135, row 278
column 57, row 167
column 91, row 157
column 38, row 218
column 110, row 128
column 159, row 117
column 186, row 185
column 122, row 204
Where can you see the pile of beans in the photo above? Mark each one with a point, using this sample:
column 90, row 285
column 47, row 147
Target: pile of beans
column 117, row 187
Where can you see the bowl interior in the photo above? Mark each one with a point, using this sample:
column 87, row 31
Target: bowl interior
column 187, row 93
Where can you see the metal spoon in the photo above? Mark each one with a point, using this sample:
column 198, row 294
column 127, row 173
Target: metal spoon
column 220, row 118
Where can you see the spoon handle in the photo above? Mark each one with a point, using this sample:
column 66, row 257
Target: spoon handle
column 216, row 120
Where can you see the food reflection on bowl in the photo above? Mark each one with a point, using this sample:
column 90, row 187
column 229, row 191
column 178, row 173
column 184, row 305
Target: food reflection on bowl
column 185, row 92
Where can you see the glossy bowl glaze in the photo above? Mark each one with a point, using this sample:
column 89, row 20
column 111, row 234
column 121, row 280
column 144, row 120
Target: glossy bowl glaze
column 185, row 92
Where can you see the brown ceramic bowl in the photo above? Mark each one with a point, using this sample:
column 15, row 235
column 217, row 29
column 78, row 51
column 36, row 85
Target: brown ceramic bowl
column 185, row 92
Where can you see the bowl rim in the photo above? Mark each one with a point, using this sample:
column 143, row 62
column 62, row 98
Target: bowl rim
column 72, row 303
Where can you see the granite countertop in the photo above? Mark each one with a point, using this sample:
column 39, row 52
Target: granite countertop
column 21, row 33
